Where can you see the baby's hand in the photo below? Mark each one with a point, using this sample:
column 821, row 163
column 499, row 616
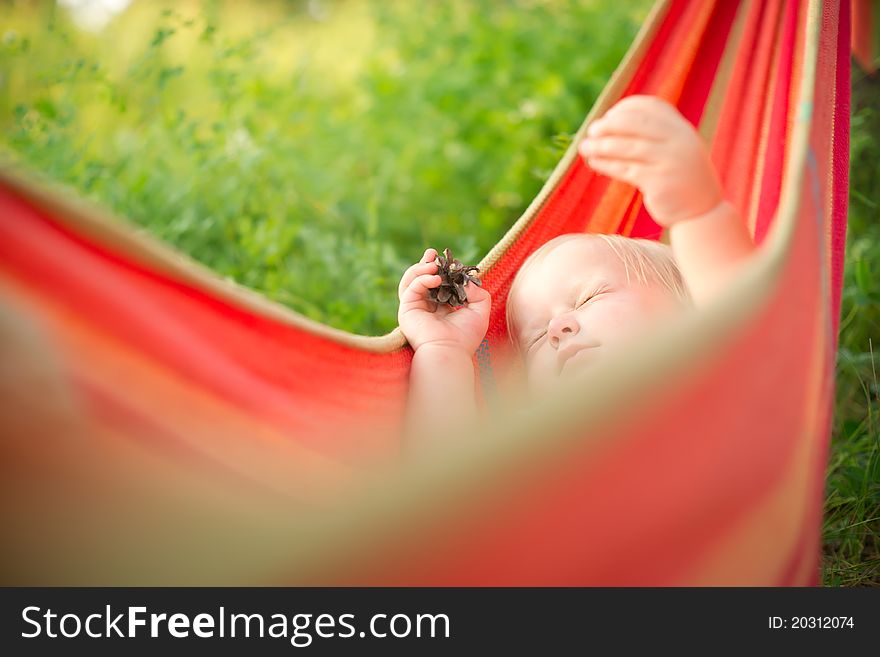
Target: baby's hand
column 425, row 322
column 646, row 142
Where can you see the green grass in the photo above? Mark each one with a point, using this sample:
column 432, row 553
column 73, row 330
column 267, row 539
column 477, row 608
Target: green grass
column 852, row 504
column 311, row 155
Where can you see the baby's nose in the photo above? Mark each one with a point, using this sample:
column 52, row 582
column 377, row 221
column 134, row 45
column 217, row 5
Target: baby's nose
column 561, row 326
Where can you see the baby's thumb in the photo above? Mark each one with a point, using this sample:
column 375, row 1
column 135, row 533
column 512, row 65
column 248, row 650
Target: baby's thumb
column 477, row 294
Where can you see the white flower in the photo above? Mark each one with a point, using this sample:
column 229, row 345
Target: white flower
column 93, row 15
column 529, row 109
column 240, row 143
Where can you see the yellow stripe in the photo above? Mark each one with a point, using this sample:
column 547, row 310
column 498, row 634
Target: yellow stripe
column 718, row 93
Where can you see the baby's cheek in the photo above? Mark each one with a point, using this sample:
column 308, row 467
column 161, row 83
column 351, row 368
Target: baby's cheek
column 621, row 316
column 540, row 370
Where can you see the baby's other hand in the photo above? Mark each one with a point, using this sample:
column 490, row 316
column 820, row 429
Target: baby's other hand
column 425, row 322
column 646, row 142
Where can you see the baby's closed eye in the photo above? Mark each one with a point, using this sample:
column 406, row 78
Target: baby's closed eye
column 592, row 293
column 588, row 295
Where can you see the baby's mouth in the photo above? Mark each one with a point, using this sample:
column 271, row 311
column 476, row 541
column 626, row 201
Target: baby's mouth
column 582, row 355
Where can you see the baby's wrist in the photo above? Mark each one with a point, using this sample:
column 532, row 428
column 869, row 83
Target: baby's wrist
column 721, row 208
column 441, row 350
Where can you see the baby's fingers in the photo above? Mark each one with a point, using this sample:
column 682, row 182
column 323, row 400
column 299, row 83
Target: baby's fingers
column 418, row 288
column 478, row 298
column 626, row 125
column 638, row 116
column 627, row 171
column 418, row 269
column 623, row 148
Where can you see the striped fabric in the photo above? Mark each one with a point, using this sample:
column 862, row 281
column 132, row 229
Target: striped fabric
column 161, row 426
column 866, row 33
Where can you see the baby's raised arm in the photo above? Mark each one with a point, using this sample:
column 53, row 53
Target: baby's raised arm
column 442, row 380
column 646, row 142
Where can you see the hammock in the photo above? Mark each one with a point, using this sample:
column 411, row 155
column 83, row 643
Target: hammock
column 163, row 426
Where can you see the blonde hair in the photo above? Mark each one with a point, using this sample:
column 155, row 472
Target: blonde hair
column 645, row 260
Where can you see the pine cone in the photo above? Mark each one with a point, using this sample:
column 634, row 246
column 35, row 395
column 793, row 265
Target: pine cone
column 453, row 277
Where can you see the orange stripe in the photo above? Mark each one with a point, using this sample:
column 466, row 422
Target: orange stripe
column 766, row 113
column 737, row 142
column 731, row 107
column 678, row 56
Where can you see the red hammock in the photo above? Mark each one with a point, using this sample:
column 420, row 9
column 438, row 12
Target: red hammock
column 161, row 426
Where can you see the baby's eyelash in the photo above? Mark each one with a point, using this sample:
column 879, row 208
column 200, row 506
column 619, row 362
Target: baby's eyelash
column 592, row 295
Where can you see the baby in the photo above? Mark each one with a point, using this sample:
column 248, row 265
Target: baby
column 579, row 295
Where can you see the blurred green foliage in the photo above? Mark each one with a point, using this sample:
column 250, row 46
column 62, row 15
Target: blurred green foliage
column 316, row 188
column 312, row 149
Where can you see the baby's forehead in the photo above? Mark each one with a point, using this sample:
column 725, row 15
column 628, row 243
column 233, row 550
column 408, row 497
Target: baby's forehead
column 565, row 267
column 562, row 261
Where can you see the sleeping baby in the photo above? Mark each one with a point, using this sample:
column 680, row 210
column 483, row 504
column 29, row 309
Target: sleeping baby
column 580, row 295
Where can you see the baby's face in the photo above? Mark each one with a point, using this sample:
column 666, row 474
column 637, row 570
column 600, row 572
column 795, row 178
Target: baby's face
column 575, row 303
